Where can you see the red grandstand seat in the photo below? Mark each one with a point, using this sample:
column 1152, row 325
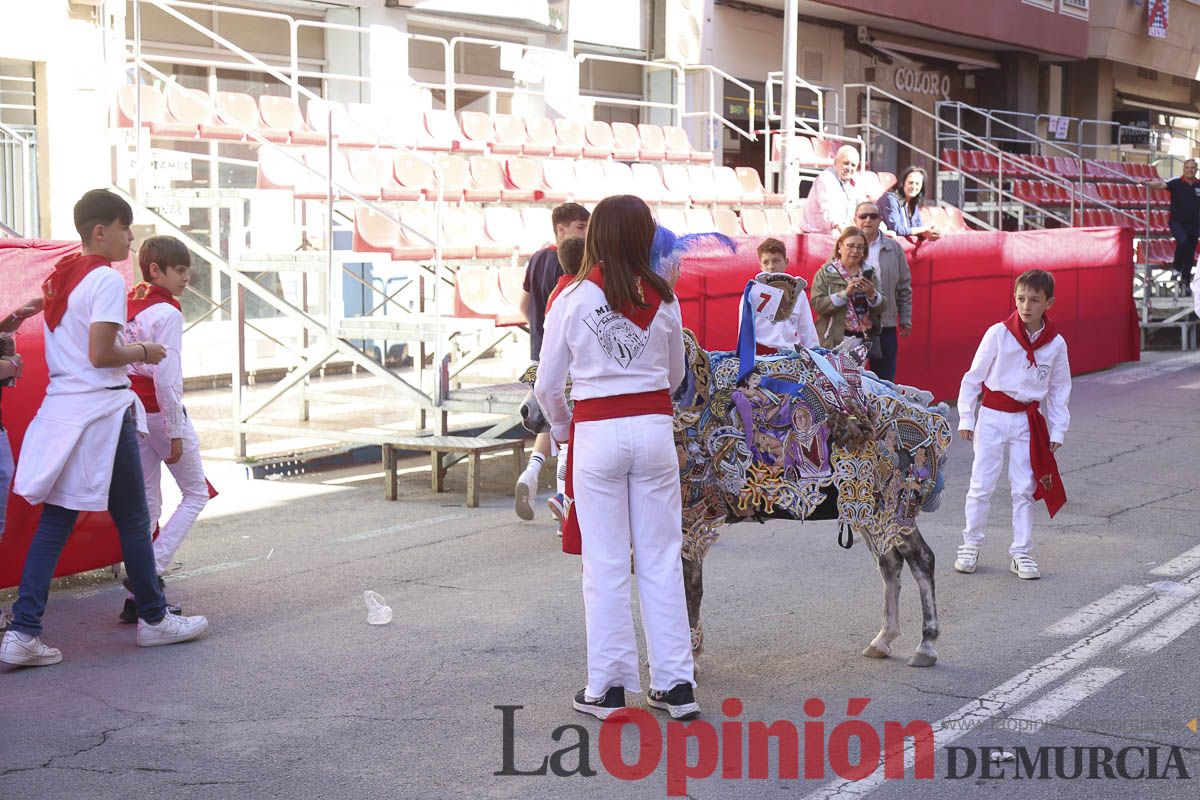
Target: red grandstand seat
column 648, row 184
column 1107, row 193
column 539, row 228
column 727, row 222
column 754, row 222
column 512, row 280
column 677, row 181
column 589, row 182
column 804, row 152
column 157, row 115
column 391, row 129
column 826, row 150
column 523, row 175
column 778, row 221
column 703, row 184
column 1023, row 191
column 376, row 166
column 487, row 181
column 678, row 144
column 618, row 177
column 752, row 185
column 193, row 108
column 729, row 188
column 504, row 227
column 952, row 158
column 627, row 144
column 477, row 131
column 477, row 293
column 570, row 136
column 540, row 137
column 283, row 114
column 374, row 232
column 419, row 225
column 654, row 142
column 558, row 179
column 510, row 136
column 956, row 222
column 278, row 169
column 414, row 174
column 456, row 175
column 473, row 223
column 936, row 216
column 238, row 109
column 459, row 234
column 598, row 139
column 440, row 132
column 154, row 106
column 326, row 117
column 796, row 220
column 699, row 220
column 673, row 219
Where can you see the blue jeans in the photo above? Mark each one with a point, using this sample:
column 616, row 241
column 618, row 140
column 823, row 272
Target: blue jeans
column 1186, row 236
column 127, row 507
column 885, row 367
column 6, row 476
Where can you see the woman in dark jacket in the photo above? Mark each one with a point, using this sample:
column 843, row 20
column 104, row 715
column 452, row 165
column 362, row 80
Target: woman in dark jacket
column 901, row 207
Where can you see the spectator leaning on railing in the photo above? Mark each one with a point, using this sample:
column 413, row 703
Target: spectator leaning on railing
column 901, row 207
column 1185, row 218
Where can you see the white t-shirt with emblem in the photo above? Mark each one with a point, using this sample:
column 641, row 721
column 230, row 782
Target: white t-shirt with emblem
column 1001, row 363
column 604, row 352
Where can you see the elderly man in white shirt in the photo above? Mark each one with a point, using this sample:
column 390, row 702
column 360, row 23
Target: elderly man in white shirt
column 830, row 205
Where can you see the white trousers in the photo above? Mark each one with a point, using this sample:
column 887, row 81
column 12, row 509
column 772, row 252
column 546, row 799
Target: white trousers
column 998, row 432
column 188, row 473
column 627, row 491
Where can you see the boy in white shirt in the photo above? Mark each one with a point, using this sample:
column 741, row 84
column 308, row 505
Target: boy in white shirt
column 788, row 325
column 80, row 452
column 155, row 316
column 1022, row 374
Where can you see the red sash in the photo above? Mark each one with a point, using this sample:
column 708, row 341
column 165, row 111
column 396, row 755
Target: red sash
column 57, row 288
column 1048, row 485
column 141, row 297
column 615, row 407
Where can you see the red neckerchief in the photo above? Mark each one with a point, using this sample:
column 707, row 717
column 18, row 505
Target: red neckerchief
column 144, row 295
column 642, row 317
column 57, row 288
column 1017, row 329
column 1048, row 485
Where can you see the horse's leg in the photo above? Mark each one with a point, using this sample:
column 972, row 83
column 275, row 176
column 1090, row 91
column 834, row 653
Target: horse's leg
column 693, row 588
column 890, row 564
column 919, row 556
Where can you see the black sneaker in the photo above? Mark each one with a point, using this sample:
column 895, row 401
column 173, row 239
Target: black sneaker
column 129, row 611
column 613, row 700
column 679, row 701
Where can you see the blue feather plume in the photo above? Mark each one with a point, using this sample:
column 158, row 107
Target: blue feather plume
column 668, row 249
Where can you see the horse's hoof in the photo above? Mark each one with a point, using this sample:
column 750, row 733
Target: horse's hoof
column 873, row 651
column 923, row 659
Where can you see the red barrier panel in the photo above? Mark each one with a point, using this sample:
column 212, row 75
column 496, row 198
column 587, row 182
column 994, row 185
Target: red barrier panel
column 961, row 285
column 24, row 265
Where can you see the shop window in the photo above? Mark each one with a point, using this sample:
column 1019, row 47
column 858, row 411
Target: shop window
column 1076, row 8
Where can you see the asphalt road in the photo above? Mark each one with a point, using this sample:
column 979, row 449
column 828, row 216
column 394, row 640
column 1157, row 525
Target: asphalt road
column 293, row 695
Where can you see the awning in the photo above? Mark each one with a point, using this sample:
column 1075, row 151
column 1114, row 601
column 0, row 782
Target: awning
column 891, row 44
column 1161, row 106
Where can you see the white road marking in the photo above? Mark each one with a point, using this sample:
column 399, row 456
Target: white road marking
column 403, row 526
column 1166, row 631
column 1097, row 611
column 1180, row 564
column 1015, row 690
column 1055, row 704
column 211, row 568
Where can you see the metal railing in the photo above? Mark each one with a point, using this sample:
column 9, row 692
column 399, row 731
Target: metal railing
column 676, row 107
column 18, row 181
column 717, row 118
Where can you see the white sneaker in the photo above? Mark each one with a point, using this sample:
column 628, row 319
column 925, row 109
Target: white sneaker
column 1024, row 567
column 967, row 558
column 171, row 629
column 32, row 653
column 524, row 494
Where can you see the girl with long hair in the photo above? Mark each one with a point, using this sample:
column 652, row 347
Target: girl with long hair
column 616, row 328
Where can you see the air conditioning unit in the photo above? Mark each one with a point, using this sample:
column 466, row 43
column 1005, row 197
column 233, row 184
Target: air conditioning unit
column 683, row 31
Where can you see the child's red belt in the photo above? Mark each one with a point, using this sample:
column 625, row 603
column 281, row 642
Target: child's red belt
column 1048, row 485
column 593, row 410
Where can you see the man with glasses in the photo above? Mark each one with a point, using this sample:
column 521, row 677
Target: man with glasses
column 1185, row 219
column 834, row 194
column 888, row 266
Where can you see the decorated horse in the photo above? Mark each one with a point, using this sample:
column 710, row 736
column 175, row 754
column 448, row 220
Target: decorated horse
column 806, row 435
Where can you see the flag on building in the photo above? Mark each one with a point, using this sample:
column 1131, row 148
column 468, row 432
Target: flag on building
column 1157, row 13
